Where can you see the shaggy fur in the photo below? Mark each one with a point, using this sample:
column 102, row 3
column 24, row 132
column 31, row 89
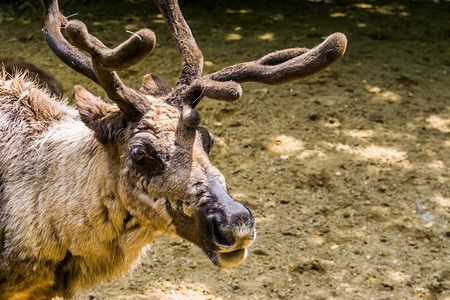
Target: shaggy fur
column 13, row 65
column 76, row 208
column 49, row 164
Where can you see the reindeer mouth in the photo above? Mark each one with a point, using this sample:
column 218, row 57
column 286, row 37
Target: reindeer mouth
column 230, row 250
column 227, row 259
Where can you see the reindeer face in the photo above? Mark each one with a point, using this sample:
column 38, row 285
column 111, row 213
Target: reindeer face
column 167, row 180
column 175, row 184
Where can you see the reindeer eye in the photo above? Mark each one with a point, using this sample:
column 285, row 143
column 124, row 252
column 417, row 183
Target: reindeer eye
column 138, row 154
column 143, row 156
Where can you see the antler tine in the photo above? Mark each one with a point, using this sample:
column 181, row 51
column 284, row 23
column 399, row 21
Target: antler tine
column 127, row 54
column 70, row 55
column 274, row 68
column 286, row 65
column 191, row 87
column 192, row 58
column 104, row 61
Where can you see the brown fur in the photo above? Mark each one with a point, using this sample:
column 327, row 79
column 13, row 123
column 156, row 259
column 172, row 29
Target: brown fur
column 35, row 232
column 13, row 65
column 38, row 235
column 74, row 208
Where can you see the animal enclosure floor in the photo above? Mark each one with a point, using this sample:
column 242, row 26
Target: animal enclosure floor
column 346, row 172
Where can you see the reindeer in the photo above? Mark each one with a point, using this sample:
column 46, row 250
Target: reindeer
column 84, row 191
column 14, row 65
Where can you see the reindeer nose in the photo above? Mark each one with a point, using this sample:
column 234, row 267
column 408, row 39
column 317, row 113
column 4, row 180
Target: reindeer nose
column 235, row 229
column 231, row 224
column 222, row 236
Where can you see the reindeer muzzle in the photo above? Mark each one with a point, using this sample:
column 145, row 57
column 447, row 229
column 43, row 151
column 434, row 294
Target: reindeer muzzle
column 230, row 227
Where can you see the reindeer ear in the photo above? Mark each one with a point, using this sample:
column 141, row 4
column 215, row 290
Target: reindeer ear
column 103, row 118
column 154, row 86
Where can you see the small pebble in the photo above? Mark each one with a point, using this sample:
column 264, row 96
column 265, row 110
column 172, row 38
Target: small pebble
column 429, row 225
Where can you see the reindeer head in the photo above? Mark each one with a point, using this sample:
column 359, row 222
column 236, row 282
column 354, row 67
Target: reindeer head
column 166, row 179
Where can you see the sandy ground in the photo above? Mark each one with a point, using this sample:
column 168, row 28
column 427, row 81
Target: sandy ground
column 346, row 172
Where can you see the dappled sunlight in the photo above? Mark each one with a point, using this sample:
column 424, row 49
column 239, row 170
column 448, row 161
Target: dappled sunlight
column 439, row 123
column 317, row 239
column 238, row 11
column 170, row 290
column 289, row 147
column 233, row 37
column 398, row 277
column 346, row 288
column 436, row 165
column 441, row 201
column 338, row 15
column 238, row 195
column 376, row 154
column 372, row 88
column 388, row 96
column 380, row 95
column 278, row 17
column 208, row 63
column 364, row 135
column 311, row 153
column 268, row 36
column 159, row 19
column 442, row 179
column 363, row 5
column 391, row 9
column 286, row 145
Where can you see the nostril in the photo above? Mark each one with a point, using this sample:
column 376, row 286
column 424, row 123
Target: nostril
column 221, row 236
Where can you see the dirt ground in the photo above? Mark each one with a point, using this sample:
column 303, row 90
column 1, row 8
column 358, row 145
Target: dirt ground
column 347, row 172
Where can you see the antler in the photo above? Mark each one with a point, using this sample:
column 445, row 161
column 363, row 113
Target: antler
column 104, row 62
column 75, row 59
column 286, row 65
column 274, row 68
column 192, row 58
